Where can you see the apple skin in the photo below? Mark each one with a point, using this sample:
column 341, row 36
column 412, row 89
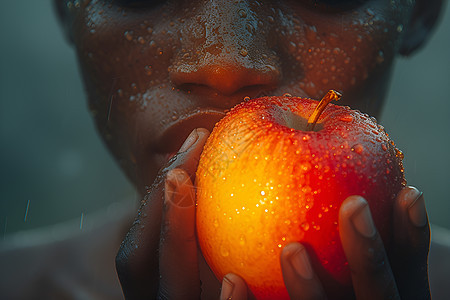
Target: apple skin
column 263, row 182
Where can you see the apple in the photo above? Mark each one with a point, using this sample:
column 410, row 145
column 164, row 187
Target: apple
column 275, row 170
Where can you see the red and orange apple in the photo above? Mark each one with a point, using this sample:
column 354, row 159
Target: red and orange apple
column 266, row 178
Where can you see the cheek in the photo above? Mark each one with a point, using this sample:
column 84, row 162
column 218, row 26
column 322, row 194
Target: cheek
column 340, row 52
column 123, row 56
column 124, row 59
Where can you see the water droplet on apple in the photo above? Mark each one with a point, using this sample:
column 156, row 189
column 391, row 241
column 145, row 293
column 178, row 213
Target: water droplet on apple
column 306, row 167
column 358, row 148
column 399, row 153
column 304, row 226
column 346, row 118
column 242, row 240
column 224, row 251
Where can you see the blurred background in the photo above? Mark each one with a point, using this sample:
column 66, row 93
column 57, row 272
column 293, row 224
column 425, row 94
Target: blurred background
column 53, row 167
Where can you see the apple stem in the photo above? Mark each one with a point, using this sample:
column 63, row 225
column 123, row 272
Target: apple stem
column 330, row 96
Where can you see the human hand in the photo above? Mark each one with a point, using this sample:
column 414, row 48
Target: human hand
column 401, row 273
column 158, row 257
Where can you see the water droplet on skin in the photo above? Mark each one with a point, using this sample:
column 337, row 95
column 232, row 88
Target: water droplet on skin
column 292, row 47
column 250, row 28
column 358, row 148
column 311, row 33
column 148, row 70
column 128, row 35
column 224, row 251
column 242, row 13
column 380, row 57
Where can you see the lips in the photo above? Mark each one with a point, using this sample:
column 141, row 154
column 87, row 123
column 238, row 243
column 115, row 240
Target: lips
column 176, row 133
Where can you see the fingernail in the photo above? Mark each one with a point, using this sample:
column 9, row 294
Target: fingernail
column 417, row 211
column 177, row 191
column 362, row 220
column 191, row 139
column 300, row 262
column 170, row 188
column 227, row 289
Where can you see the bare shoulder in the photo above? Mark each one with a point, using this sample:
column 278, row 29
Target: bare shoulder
column 439, row 262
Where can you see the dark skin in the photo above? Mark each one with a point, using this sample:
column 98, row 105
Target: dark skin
column 156, row 71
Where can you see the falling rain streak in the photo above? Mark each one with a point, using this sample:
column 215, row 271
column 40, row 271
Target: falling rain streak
column 26, row 211
column 81, row 221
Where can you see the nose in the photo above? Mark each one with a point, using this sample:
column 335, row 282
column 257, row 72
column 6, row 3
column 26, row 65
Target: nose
column 226, row 77
column 225, row 52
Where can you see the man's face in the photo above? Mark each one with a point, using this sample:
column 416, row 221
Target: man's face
column 155, row 70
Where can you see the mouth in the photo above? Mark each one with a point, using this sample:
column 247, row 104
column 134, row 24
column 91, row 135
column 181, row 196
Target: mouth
column 176, row 133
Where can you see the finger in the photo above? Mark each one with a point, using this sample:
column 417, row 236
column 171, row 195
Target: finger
column 411, row 245
column 299, row 277
column 179, row 272
column 233, row 287
column 371, row 273
column 137, row 261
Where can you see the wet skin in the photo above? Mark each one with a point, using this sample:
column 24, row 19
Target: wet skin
column 154, row 72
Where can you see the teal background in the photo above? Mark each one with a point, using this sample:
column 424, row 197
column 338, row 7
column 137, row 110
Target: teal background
column 52, row 161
